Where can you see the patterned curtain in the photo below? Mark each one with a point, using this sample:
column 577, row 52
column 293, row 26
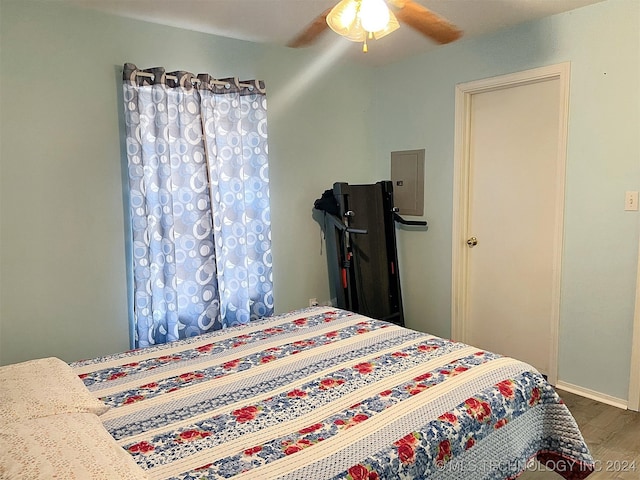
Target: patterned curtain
column 199, row 195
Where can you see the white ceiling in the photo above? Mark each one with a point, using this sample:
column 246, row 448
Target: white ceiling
column 278, row 21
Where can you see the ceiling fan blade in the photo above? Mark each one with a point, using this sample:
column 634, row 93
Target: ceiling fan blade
column 310, row 34
column 426, row 22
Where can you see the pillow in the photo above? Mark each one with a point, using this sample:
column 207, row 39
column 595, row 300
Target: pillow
column 43, row 387
column 69, row 446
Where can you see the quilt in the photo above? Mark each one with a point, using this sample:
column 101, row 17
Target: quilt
column 323, row 393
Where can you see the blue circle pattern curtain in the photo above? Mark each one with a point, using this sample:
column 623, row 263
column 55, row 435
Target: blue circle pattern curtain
column 199, row 195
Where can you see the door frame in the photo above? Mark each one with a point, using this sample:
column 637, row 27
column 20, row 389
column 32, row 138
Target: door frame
column 633, row 402
column 461, row 195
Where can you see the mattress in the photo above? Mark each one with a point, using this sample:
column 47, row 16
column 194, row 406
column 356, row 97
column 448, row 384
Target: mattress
column 323, row 393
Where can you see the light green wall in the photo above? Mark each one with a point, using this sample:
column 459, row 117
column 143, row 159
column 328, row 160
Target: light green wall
column 63, row 288
column 415, row 109
column 62, row 243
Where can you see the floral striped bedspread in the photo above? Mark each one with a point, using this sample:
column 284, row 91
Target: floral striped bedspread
column 323, row 393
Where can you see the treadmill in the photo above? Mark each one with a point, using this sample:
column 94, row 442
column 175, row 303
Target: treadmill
column 358, row 222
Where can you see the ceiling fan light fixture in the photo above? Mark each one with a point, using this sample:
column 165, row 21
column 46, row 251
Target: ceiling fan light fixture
column 391, row 26
column 374, row 15
column 358, row 19
column 343, row 18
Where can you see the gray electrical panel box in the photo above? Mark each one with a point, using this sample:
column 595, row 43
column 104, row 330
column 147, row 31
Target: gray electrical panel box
column 407, row 175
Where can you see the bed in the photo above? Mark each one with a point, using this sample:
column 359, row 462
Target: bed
column 323, row 393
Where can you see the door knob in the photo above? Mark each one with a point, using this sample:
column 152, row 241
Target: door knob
column 472, row 242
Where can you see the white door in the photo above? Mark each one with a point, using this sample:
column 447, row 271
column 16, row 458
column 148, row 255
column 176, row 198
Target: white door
column 510, row 232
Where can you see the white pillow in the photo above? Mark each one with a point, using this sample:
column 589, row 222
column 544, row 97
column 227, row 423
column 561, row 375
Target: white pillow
column 43, row 387
column 67, row 446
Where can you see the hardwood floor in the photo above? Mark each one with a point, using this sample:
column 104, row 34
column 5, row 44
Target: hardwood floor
column 612, row 434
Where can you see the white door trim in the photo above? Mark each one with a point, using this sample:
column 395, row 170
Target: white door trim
column 463, row 95
column 633, row 402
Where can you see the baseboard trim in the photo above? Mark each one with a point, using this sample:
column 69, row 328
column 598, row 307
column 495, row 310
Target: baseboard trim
column 592, row 394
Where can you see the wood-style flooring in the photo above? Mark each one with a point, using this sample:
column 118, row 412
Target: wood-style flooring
column 613, row 437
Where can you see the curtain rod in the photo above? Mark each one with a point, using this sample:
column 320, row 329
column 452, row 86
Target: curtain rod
column 196, row 80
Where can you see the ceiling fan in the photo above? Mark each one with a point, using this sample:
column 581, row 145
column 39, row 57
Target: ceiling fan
column 359, row 20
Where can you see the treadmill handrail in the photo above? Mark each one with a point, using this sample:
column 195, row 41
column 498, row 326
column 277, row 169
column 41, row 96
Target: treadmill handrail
column 399, row 219
column 341, row 226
